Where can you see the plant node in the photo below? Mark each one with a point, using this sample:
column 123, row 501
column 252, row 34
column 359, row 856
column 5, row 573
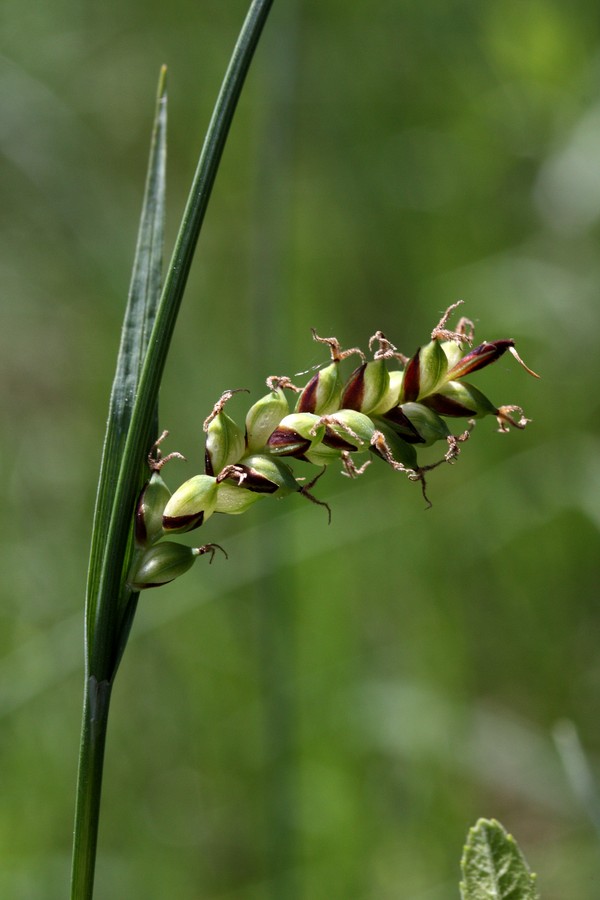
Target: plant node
column 465, row 330
column 212, row 549
column 232, row 472
column 505, row 419
column 337, row 354
column 220, row 405
column 350, row 469
column 155, row 460
column 386, row 349
column 305, row 492
column 282, row 381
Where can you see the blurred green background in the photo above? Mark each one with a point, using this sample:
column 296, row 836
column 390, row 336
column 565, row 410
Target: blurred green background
column 325, row 714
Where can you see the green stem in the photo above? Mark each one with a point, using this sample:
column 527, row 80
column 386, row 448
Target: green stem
column 89, row 786
column 111, row 618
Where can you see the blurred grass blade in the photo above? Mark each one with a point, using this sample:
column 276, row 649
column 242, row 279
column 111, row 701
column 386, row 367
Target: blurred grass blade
column 494, row 867
column 140, row 314
column 578, row 769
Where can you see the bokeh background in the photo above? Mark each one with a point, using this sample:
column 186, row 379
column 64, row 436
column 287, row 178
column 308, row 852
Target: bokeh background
column 325, row 714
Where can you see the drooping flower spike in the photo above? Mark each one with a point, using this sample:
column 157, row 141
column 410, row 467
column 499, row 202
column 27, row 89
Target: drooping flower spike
column 388, row 407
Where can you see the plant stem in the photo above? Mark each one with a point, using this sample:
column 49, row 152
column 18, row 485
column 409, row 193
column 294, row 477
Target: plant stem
column 110, row 607
column 89, row 786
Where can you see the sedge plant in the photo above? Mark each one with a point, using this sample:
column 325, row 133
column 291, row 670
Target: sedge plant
column 387, row 407
column 132, row 428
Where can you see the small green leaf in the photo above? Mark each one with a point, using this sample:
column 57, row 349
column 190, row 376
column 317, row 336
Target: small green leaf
column 493, row 866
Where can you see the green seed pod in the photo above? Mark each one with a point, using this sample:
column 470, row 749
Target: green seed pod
column 482, row 356
column 295, row 435
column 264, row 474
column 424, row 372
column 153, row 498
column 453, row 351
column 399, row 422
column 320, row 455
column 263, row 418
column 366, row 387
column 234, row 499
column 348, row 430
column 225, row 443
column 160, row 564
column 401, row 451
column 428, row 424
column 191, row 504
column 391, row 397
column 323, row 392
column 459, row 399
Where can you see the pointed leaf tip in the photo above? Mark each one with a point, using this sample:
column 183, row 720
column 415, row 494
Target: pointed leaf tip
column 162, row 81
column 494, row 867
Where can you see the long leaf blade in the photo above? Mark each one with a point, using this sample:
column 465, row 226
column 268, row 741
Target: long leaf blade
column 144, row 294
column 112, row 605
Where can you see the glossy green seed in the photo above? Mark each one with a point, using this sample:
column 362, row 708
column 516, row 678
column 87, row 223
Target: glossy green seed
column 160, row 564
column 263, row 418
column 149, row 511
column 191, row 504
column 225, row 443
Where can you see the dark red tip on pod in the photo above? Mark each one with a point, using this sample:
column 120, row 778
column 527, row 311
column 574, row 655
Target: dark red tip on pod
column 307, row 402
column 288, row 442
column 336, row 442
column 141, row 533
column 402, row 426
column 411, row 383
column 354, row 390
column 255, row 481
column 188, row 522
column 208, row 466
column 446, row 406
column 479, row 358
